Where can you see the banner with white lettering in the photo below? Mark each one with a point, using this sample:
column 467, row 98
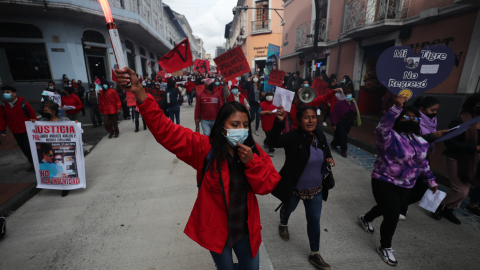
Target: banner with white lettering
column 57, row 153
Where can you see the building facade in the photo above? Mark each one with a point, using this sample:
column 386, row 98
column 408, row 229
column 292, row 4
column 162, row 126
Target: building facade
column 219, row 50
column 43, row 40
column 174, row 31
column 354, row 33
column 254, row 28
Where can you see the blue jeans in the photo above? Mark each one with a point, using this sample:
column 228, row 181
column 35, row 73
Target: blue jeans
column 207, row 126
column 254, row 113
column 243, row 251
column 313, row 211
column 475, row 196
column 189, row 98
column 174, row 112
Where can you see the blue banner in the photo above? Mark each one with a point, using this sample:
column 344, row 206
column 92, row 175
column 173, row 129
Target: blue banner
column 273, row 59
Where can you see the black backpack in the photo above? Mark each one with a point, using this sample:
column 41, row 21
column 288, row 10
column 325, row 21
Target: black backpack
column 24, row 108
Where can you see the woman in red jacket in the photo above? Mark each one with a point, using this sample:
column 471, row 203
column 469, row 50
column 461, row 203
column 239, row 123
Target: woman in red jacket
column 189, row 86
column 231, row 169
column 75, row 105
column 109, row 105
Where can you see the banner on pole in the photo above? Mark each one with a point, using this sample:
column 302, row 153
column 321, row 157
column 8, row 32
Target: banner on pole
column 202, row 66
column 178, row 58
column 232, row 63
column 273, row 58
column 131, row 99
column 276, row 77
column 57, row 153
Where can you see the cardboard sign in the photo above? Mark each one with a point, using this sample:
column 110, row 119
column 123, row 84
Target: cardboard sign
column 232, row 63
column 320, row 87
column 403, row 72
column 178, row 73
column 131, row 99
column 157, row 94
column 202, row 66
column 57, row 153
column 276, row 77
column 283, row 97
column 453, row 132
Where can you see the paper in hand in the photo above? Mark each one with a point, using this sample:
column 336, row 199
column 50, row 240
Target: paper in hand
column 283, row 97
column 274, row 111
column 67, row 108
column 431, row 201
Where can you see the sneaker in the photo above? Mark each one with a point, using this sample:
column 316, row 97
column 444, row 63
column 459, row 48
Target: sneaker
column 402, row 217
column 30, row 168
column 270, row 154
column 387, row 255
column 256, row 133
column 115, row 136
column 449, row 214
column 283, row 232
column 65, row 193
column 136, row 130
column 110, row 135
column 367, row 226
column 318, row 261
column 438, row 213
column 473, row 210
column 324, row 124
column 3, row 227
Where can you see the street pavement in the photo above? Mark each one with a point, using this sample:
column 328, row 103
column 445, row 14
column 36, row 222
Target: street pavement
column 139, row 197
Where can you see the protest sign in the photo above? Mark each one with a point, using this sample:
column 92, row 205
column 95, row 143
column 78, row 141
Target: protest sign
column 320, row 87
column 276, row 77
column 458, row 129
column 161, row 74
column 273, row 58
column 178, row 73
column 283, row 97
column 403, row 72
column 131, row 100
column 202, row 66
column 57, row 153
column 53, row 97
column 157, row 94
column 232, row 63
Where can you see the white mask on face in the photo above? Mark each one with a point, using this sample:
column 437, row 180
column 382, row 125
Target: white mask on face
column 255, row 79
column 269, row 98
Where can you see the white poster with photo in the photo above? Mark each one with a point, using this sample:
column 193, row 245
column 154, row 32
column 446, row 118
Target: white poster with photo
column 57, row 153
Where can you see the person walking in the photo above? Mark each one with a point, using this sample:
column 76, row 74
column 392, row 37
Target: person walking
column 81, row 93
column 50, row 113
column 171, row 96
column 137, row 120
column 235, row 95
column 122, row 95
column 305, row 175
column 13, row 113
column 91, row 102
column 462, row 161
column 401, row 158
column 343, row 117
column 72, row 101
column 109, row 105
column 253, row 88
column 207, row 106
column 231, row 169
column 268, row 117
column 189, row 87
column 218, row 87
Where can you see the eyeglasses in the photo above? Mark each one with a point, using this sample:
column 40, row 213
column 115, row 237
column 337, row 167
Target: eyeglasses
column 58, row 159
column 409, row 118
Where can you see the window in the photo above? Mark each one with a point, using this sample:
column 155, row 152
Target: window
column 27, row 61
column 93, row 36
column 130, row 45
column 19, row 30
column 286, row 36
column 151, row 56
column 142, row 51
column 122, row 3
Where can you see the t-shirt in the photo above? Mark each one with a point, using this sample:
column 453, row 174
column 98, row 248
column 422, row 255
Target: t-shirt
column 52, row 168
column 312, row 174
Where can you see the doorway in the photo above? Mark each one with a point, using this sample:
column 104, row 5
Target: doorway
column 96, row 66
column 260, row 67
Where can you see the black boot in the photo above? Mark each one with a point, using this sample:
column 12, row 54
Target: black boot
column 450, row 215
column 65, row 192
column 438, row 213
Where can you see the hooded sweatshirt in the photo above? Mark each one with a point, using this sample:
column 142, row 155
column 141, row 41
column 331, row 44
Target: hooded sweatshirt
column 74, row 101
column 428, row 126
column 267, row 119
column 15, row 117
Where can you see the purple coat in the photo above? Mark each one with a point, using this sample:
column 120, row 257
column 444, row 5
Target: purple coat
column 401, row 158
column 428, row 126
column 340, row 109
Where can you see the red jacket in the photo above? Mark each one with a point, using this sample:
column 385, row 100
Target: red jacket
column 315, row 103
column 267, row 119
column 15, row 117
column 110, row 102
column 189, row 86
column 208, row 225
column 208, row 105
column 74, row 101
column 241, row 98
column 219, row 90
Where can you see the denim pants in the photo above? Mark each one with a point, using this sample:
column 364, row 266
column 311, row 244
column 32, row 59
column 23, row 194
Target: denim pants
column 313, row 211
column 207, row 126
column 243, row 252
column 189, row 98
column 254, row 114
column 174, row 113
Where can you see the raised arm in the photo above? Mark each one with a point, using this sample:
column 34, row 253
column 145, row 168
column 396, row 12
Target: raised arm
column 384, row 129
column 277, row 139
column 226, row 92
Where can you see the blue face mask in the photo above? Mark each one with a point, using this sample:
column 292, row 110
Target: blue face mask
column 349, row 97
column 217, row 83
column 344, row 81
column 7, row 96
column 236, row 135
column 105, row 86
column 235, row 91
column 91, row 89
column 261, row 82
column 306, row 85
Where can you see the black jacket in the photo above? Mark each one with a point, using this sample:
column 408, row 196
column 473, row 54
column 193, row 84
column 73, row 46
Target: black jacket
column 297, row 152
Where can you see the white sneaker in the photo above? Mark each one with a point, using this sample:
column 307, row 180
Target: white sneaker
column 402, row 217
column 324, row 124
column 387, row 255
column 256, row 133
column 367, row 226
column 271, row 154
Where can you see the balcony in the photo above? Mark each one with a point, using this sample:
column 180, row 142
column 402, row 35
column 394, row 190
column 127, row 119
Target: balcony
column 305, row 32
column 362, row 16
column 261, row 27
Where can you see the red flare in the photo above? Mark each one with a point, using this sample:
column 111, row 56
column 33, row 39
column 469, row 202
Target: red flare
column 106, row 10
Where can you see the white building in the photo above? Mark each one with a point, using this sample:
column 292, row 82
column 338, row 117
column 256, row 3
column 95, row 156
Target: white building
column 42, row 40
column 174, row 32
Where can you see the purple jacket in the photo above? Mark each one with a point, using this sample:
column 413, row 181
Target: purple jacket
column 428, row 126
column 340, row 109
column 401, row 158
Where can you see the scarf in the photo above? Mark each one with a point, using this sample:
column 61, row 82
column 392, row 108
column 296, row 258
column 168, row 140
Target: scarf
column 428, row 126
column 467, row 170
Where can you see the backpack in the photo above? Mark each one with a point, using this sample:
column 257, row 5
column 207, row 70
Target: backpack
column 171, row 97
column 22, row 104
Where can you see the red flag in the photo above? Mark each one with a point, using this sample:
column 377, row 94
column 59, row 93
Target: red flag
column 114, row 78
column 178, row 58
column 202, row 66
column 321, row 87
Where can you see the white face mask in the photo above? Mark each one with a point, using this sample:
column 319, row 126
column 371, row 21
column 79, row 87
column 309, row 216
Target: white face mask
column 269, row 98
column 236, row 135
column 255, row 79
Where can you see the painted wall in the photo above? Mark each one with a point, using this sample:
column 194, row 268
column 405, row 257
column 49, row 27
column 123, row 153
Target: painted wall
column 252, row 46
column 347, row 60
column 457, row 31
column 335, row 19
column 295, row 15
column 416, row 6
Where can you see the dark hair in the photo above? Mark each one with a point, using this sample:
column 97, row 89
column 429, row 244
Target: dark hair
column 325, row 78
column 217, row 140
column 347, row 79
column 210, row 87
column 333, row 77
column 269, row 93
column 396, row 125
column 52, row 106
column 302, row 110
column 469, row 104
column 171, row 83
column 9, row 88
column 45, row 148
column 51, row 82
column 425, row 102
column 68, row 89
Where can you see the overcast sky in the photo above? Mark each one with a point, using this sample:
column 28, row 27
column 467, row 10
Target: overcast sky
column 207, row 18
